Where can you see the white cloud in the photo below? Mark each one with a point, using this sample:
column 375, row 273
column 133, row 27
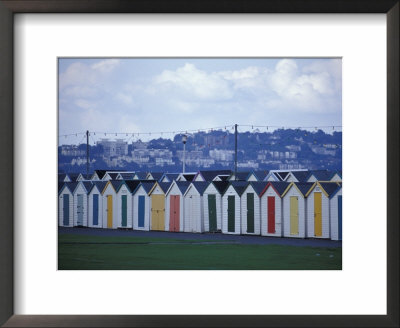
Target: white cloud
column 85, row 104
column 198, row 83
column 124, row 98
column 105, row 66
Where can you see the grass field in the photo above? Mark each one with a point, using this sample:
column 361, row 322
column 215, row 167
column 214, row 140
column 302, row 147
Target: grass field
column 84, row 252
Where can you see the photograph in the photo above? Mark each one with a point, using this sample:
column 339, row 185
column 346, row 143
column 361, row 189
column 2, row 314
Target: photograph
column 199, row 163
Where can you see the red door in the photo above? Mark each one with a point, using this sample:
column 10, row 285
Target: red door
column 174, row 213
column 271, row 214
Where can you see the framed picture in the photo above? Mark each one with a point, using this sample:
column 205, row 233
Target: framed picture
column 12, row 136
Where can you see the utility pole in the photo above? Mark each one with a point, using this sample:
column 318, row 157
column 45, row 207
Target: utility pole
column 184, row 139
column 87, row 153
column 235, row 151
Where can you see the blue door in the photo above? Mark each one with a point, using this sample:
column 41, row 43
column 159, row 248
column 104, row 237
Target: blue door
column 79, row 222
column 66, row 210
column 141, row 212
column 95, row 209
column 340, row 216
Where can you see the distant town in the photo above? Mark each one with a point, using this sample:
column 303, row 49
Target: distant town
column 282, row 149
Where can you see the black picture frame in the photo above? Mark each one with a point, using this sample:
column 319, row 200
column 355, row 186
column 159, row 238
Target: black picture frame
column 10, row 7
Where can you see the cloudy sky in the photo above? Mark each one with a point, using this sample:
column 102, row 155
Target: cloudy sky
column 152, row 95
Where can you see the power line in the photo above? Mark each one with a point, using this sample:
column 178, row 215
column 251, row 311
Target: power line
column 211, row 129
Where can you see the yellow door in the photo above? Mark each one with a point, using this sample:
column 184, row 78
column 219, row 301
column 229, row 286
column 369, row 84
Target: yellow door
column 157, row 212
column 294, row 215
column 109, row 211
column 317, row 214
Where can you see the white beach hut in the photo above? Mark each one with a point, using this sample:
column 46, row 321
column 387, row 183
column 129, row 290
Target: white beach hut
column 295, row 209
column 231, row 218
column 110, row 204
column 81, row 203
column 157, row 206
column 174, row 205
column 66, row 204
column 212, row 199
column 319, row 209
column 193, row 207
column 272, row 208
column 250, row 208
column 124, row 206
column 141, row 206
column 96, row 204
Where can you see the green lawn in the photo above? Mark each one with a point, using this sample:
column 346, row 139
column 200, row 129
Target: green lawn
column 80, row 252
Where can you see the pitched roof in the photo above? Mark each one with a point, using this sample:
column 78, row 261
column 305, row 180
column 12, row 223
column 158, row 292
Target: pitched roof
column 73, row 176
column 304, row 187
column 182, row 185
column 70, row 185
column 241, row 176
column 172, row 176
column 147, row 186
column 282, row 175
column 200, row 186
column 61, row 176
column 301, row 176
column 116, row 184
column 260, row 175
column 60, row 185
column 112, row 175
column 330, row 188
column 164, row 186
column 156, row 175
column 189, row 176
column 99, row 185
column 209, row 175
column 132, row 184
column 100, row 173
column 259, row 186
column 322, row 175
column 224, row 177
column 221, row 186
column 141, row 175
column 279, row 186
column 87, row 185
column 127, row 176
column 239, row 186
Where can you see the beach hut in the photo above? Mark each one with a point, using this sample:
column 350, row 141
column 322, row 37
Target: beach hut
column 96, row 204
column 271, row 177
column 336, row 213
column 295, row 209
column 81, row 203
column 169, row 177
column 318, row 209
column 193, row 207
column 141, row 206
column 124, row 209
column 240, row 176
column 140, row 176
column 154, row 176
column 83, row 177
column 157, row 206
column 231, row 207
column 250, row 208
column 174, row 205
column 261, row 175
column 272, row 208
column 319, row 175
column 337, row 176
column 210, row 175
column 297, row 176
column 66, row 204
column 110, row 204
column 212, row 200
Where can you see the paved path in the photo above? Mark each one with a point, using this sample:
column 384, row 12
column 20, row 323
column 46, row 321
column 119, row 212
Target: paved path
column 218, row 237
